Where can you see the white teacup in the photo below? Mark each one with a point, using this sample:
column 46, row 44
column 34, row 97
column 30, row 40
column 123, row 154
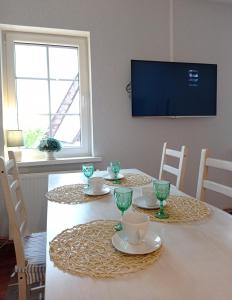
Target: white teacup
column 96, row 184
column 110, row 172
column 135, row 227
column 149, row 196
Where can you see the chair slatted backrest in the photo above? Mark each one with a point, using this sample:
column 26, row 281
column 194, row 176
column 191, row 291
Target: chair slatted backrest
column 179, row 172
column 204, row 183
column 14, row 202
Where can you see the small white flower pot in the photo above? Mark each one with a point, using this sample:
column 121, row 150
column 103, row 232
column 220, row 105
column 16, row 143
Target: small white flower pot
column 50, row 155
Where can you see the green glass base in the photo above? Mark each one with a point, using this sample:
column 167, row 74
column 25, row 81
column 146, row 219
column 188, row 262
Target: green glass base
column 118, row 227
column 162, row 215
column 117, row 181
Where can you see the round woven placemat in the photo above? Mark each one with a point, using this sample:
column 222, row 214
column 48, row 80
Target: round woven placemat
column 180, row 209
column 87, row 250
column 131, row 180
column 71, row 194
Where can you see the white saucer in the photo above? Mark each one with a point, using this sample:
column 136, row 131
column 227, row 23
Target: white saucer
column 147, row 203
column 151, row 243
column 90, row 192
column 108, row 177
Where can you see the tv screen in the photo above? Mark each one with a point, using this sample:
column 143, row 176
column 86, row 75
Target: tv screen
column 173, row 88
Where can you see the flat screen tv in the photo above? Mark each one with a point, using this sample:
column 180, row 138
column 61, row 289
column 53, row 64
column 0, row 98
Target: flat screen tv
column 173, row 88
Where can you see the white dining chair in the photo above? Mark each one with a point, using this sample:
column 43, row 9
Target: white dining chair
column 179, row 172
column 204, row 183
column 30, row 248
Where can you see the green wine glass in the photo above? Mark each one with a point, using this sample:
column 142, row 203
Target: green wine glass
column 162, row 190
column 88, row 170
column 123, row 200
column 115, row 167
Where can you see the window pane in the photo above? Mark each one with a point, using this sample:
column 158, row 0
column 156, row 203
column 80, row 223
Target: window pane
column 47, row 89
column 64, row 97
column 63, row 62
column 32, row 97
column 69, row 131
column 34, row 128
column 30, row 61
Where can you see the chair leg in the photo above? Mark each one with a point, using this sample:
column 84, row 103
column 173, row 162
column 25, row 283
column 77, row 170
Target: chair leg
column 22, row 282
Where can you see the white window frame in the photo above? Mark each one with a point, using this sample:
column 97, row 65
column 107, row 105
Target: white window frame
column 10, row 102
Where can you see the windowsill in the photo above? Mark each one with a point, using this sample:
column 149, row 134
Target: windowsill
column 58, row 165
column 59, row 161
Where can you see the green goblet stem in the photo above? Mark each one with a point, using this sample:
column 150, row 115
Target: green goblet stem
column 118, row 227
column 162, row 190
column 116, row 180
column 161, row 214
column 161, row 206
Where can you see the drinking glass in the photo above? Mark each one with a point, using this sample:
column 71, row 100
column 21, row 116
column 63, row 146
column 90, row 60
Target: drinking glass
column 88, row 170
column 115, row 167
column 123, row 200
column 162, row 190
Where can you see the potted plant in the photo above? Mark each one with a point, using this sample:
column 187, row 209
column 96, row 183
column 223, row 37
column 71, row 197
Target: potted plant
column 49, row 145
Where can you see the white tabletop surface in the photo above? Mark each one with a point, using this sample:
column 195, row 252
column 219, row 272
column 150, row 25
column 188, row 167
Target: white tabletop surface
column 196, row 262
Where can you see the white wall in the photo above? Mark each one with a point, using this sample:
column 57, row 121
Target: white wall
column 134, row 29
column 203, row 33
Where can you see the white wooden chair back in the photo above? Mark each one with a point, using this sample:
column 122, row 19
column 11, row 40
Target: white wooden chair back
column 179, row 172
column 14, row 202
column 204, row 183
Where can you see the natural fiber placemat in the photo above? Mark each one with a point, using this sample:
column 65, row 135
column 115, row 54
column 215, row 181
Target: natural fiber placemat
column 131, row 180
column 180, row 209
column 87, row 250
column 71, row 194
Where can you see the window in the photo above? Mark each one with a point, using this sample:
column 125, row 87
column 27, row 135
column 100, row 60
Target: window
column 47, row 88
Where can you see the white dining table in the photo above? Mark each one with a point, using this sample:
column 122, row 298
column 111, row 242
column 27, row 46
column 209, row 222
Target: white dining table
column 196, row 262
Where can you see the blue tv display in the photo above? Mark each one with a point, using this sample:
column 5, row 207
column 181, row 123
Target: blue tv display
column 173, row 88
